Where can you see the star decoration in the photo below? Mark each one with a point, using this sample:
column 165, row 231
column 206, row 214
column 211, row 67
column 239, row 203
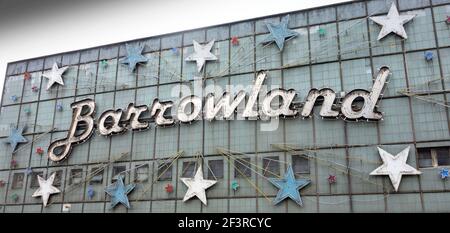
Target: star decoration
column 289, row 187
column 197, row 186
column 134, row 56
column 55, row 75
column 444, row 173
column 174, row 50
column 202, row 53
column 46, row 188
column 27, row 76
column 59, row 107
column 15, row 137
column 104, row 63
column 395, row 166
column 13, row 98
column 392, row 22
column 118, row 192
column 279, row 33
column 39, row 151
column 90, row 192
column 234, row 40
column 169, row 188
column 331, row 179
column 15, row 197
column 428, row 55
column 34, row 88
column 28, row 171
column 234, row 185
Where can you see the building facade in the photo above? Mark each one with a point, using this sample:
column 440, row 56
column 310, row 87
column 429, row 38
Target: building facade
column 336, row 47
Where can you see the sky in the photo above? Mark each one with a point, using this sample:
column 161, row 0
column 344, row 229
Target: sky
column 36, row 28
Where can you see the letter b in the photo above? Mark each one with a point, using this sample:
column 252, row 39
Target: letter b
column 73, row 138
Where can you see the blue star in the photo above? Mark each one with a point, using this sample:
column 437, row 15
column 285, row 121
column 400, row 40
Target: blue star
column 15, row 137
column 118, row 192
column 289, row 187
column 279, row 33
column 444, row 173
column 134, row 56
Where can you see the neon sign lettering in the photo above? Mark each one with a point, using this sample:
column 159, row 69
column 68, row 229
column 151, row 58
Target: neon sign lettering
column 118, row 121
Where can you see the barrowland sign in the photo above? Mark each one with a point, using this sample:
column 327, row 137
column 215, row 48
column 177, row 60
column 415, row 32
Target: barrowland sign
column 356, row 105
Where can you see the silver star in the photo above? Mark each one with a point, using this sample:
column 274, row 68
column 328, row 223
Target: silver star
column 395, row 166
column 202, row 54
column 46, row 188
column 55, row 75
column 197, row 186
column 392, row 22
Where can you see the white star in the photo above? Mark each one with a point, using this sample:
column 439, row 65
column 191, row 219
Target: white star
column 392, row 22
column 202, row 54
column 197, row 186
column 54, row 75
column 395, row 166
column 46, row 188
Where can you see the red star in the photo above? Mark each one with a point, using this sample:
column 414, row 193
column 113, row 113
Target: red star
column 39, row 151
column 13, row 163
column 34, row 88
column 331, row 179
column 27, row 76
column 234, row 40
column 169, row 188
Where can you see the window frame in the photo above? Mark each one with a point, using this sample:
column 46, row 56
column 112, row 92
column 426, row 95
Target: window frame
column 138, row 168
column 188, row 165
column 238, row 163
column 15, row 181
column 432, row 152
column 73, row 172
column 117, row 169
column 34, row 181
column 167, row 168
column 212, row 167
column 300, row 156
column 272, row 162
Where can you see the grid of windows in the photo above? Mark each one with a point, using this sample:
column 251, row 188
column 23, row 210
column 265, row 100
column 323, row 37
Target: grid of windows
column 336, row 48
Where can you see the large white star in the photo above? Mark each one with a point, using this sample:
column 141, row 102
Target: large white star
column 45, row 188
column 392, row 22
column 395, row 166
column 55, row 75
column 197, row 186
column 202, row 53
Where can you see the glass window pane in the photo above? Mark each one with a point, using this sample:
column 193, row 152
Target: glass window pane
column 425, row 157
column 188, row 169
column 118, row 170
column 141, row 173
column 164, row 172
column 242, row 167
column 17, row 180
column 300, row 164
column 271, row 166
column 98, row 177
column 215, row 169
column 34, row 179
column 76, row 176
column 443, row 156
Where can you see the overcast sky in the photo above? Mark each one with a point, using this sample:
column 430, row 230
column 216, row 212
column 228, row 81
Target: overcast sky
column 32, row 28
